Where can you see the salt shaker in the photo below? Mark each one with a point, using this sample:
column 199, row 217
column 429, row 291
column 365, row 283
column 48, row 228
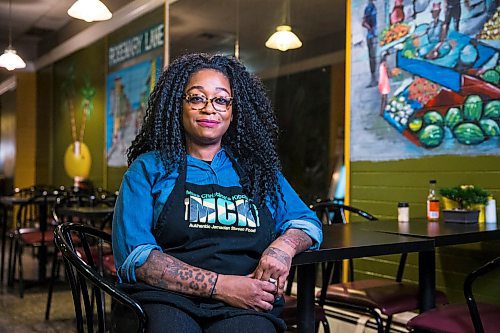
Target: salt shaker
column 491, row 211
column 403, row 212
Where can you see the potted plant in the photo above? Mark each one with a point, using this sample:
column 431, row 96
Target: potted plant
column 463, row 203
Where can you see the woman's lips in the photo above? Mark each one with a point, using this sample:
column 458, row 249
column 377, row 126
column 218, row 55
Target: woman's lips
column 207, row 123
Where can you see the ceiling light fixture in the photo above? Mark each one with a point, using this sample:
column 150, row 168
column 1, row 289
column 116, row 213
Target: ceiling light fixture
column 9, row 59
column 284, row 39
column 89, row 10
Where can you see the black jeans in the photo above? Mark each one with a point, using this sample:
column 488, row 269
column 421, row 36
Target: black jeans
column 164, row 318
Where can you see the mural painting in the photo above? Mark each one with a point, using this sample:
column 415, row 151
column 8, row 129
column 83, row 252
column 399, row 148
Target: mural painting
column 425, row 78
column 77, row 158
column 128, row 90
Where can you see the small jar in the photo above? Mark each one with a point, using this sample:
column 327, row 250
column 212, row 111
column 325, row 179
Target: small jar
column 403, row 212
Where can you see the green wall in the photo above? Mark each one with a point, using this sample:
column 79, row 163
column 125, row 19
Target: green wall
column 377, row 187
column 88, row 62
column 54, row 126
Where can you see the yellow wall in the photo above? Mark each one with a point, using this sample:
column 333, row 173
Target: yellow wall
column 25, row 130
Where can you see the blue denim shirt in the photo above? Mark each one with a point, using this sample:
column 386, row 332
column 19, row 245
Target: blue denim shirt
column 146, row 187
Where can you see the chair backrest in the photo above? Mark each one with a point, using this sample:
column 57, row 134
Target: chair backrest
column 469, row 296
column 34, row 212
column 84, row 272
column 331, row 212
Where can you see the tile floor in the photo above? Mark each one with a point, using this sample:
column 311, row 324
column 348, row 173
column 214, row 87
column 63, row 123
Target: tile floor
column 23, row 315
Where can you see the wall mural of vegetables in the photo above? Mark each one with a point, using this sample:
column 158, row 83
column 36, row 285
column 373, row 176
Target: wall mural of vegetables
column 471, row 124
column 435, row 83
column 425, row 111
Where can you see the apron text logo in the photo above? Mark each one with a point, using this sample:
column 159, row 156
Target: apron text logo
column 237, row 214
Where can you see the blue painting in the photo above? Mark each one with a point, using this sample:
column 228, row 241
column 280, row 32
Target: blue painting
column 425, row 78
column 128, row 91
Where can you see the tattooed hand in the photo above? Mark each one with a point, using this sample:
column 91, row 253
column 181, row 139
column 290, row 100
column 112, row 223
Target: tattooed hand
column 244, row 292
column 276, row 260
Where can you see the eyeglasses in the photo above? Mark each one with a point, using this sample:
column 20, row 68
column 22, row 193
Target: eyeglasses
column 199, row 102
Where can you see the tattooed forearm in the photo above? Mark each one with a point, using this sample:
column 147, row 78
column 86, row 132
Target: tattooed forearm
column 167, row 272
column 296, row 239
column 278, row 254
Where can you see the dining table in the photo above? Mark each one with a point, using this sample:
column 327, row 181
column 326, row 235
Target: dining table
column 442, row 234
column 92, row 214
column 347, row 241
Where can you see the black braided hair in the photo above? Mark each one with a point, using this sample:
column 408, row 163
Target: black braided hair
column 251, row 137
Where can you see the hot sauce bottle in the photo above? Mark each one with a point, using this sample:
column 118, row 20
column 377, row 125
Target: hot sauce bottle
column 432, row 203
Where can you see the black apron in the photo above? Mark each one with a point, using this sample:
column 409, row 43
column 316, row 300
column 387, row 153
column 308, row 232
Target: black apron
column 215, row 228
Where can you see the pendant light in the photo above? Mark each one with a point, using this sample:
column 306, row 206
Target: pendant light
column 9, row 59
column 284, row 39
column 90, row 10
column 237, row 41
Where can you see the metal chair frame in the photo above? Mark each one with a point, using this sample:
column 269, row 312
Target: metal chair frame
column 87, row 274
column 332, row 271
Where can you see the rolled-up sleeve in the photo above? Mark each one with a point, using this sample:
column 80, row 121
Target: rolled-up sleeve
column 133, row 239
column 292, row 212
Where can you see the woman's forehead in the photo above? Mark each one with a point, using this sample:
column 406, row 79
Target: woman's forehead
column 208, row 77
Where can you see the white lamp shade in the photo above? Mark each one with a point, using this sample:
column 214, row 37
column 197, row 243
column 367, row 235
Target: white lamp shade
column 90, row 10
column 10, row 60
column 283, row 39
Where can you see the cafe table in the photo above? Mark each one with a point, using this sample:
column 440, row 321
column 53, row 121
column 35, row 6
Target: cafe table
column 343, row 241
column 92, row 213
column 443, row 234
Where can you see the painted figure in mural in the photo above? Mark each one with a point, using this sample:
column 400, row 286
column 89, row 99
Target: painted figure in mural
column 433, row 42
column 120, row 110
column 206, row 225
column 397, row 14
column 369, row 22
column 454, row 10
column 384, row 86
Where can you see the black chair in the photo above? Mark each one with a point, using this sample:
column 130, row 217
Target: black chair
column 80, row 200
column 369, row 296
column 34, row 229
column 87, row 281
column 462, row 318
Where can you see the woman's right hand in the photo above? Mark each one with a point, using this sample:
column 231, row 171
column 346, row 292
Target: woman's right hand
column 245, row 292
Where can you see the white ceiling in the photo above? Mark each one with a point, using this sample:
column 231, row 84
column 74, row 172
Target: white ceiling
column 35, row 22
column 40, row 25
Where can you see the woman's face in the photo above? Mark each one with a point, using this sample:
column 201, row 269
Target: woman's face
column 206, row 124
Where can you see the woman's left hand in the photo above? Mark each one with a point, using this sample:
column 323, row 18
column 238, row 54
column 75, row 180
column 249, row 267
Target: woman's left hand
column 276, row 260
column 274, row 265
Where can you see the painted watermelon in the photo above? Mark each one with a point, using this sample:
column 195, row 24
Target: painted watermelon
column 433, row 117
column 431, row 136
column 490, row 127
column 492, row 109
column 469, row 134
column 453, row 117
column 473, row 107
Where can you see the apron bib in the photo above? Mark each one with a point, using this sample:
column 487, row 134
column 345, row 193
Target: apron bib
column 215, row 228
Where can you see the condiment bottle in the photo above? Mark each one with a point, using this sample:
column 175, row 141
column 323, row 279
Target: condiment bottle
column 432, row 203
column 403, row 212
column 491, row 210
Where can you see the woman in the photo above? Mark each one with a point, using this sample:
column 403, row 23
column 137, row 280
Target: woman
column 206, row 226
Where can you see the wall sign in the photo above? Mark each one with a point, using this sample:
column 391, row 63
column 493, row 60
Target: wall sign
column 134, row 46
